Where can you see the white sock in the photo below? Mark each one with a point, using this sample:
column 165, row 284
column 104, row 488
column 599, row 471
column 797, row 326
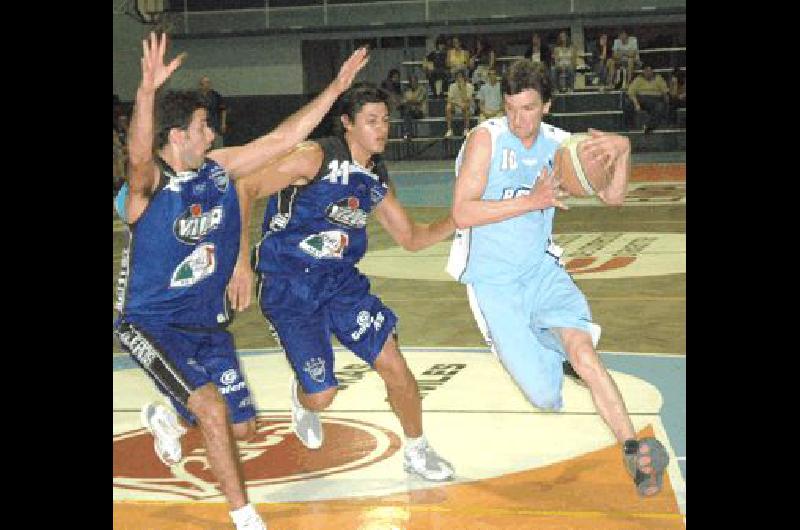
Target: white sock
column 242, row 514
column 415, row 443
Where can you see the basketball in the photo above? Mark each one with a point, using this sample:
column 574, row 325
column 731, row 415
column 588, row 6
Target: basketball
column 579, row 177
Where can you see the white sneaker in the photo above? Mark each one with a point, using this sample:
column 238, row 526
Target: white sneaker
column 449, row 133
column 424, row 462
column 246, row 518
column 163, row 425
column 306, row 423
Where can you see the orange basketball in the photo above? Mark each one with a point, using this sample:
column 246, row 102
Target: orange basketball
column 578, row 175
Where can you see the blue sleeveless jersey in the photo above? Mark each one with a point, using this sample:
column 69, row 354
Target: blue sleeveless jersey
column 502, row 252
column 321, row 225
column 182, row 251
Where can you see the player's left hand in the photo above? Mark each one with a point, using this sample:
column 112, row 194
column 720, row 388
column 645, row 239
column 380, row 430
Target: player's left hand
column 351, row 67
column 240, row 287
column 605, row 148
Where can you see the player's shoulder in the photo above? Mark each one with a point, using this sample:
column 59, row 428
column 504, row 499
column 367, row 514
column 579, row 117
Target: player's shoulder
column 551, row 133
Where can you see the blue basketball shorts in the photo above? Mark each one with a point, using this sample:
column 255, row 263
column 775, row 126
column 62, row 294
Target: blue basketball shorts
column 180, row 360
column 303, row 310
column 517, row 318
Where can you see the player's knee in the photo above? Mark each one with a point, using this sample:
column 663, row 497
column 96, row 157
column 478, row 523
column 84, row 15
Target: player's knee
column 244, row 431
column 208, row 406
column 320, row 400
column 586, row 363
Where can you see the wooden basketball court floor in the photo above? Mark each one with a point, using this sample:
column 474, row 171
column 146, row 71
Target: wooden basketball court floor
column 516, row 466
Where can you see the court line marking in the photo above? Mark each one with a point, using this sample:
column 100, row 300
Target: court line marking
column 328, row 412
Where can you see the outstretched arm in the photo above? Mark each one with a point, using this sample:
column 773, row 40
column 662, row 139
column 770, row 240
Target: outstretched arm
column 298, row 166
column 407, row 233
column 142, row 171
column 247, row 158
column 468, row 207
column 616, row 150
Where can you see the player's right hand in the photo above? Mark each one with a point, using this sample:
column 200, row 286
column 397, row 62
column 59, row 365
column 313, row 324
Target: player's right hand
column 351, row 67
column 240, row 286
column 547, row 192
column 154, row 71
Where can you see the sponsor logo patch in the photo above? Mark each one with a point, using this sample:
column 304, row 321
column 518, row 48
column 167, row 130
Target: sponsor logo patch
column 198, row 265
column 228, row 377
column 364, row 321
column 326, row 245
column 346, row 212
column 194, row 224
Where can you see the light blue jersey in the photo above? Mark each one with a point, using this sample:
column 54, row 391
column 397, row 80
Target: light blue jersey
column 504, row 251
column 519, row 292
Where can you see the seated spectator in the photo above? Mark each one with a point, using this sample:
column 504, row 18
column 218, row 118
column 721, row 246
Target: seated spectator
column 459, row 98
column 435, row 66
column 677, row 93
column 648, row 92
column 119, row 162
column 414, row 105
column 625, row 54
column 392, row 87
column 481, row 61
column 565, row 60
column 457, row 59
column 537, row 52
column 490, row 97
column 601, row 55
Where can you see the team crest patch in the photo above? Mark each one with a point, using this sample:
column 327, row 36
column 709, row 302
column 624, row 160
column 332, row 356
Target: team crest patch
column 346, row 212
column 315, row 367
column 198, row 265
column 326, row 245
column 194, row 224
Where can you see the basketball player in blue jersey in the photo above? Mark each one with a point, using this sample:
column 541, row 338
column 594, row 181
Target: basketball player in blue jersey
column 184, row 224
column 526, row 304
column 314, row 234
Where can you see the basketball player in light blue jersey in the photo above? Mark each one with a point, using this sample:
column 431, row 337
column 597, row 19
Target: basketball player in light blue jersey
column 526, row 304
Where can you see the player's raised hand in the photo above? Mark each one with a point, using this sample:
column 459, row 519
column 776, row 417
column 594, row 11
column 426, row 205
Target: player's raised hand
column 604, row 148
column 154, row 71
column 547, row 192
column 351, row 67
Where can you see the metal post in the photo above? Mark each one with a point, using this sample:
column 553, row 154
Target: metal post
column 427, row 10
column 266, row 13
column 186, row 16
column 325, row 12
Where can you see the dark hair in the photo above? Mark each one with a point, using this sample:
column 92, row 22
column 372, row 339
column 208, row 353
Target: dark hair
column 354, row 99
column 392, row 72
column 524, row 75
column 174, row 110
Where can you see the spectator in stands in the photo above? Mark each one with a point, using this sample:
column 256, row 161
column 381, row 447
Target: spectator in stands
column 457, row 59
column 119, row 163
column 537, row 52
column 392, row 87
column 625, row 55
column 217, row 113
column 435, row 66
column 459, row 98
column 414, row 105
column 481, row 61
column 649, row 92
column 601, row 57
column 565, row 60
column 490, row 97
column 677, row 93
column 123, row 123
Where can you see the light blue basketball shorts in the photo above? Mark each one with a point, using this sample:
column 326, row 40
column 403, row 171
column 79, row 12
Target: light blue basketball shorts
column 515, row 319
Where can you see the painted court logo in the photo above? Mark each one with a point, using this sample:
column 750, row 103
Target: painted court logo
column 273, row 456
